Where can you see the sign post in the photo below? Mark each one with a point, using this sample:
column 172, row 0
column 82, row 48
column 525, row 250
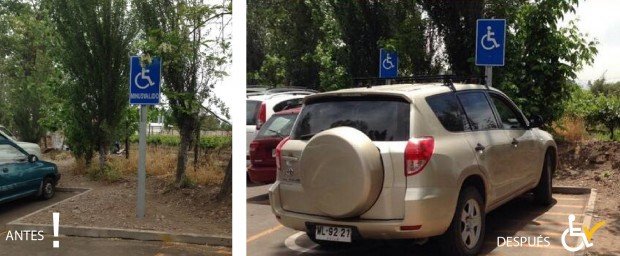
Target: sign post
column 388, row 64
column 144, row 89
column 490, row 45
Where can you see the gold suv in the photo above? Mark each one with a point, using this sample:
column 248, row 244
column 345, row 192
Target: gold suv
column 408, row 161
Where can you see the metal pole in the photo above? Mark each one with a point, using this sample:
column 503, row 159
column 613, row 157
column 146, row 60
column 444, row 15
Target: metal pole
column 140, row 209
column 488, row 76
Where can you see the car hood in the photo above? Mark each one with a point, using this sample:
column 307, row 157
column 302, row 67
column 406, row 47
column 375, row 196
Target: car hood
column 31, row 148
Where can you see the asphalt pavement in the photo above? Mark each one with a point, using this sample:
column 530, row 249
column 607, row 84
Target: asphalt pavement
column 518, row 218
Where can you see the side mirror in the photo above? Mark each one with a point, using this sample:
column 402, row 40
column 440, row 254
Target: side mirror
column 32, row 158
column 536, row 121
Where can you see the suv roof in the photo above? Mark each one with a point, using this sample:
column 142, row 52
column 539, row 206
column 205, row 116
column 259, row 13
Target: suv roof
column 407, row 91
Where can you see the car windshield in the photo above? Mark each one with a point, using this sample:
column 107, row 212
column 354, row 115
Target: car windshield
column 380, row 118
column 252, row 107
column 277, row 126
column 9, row 153
column 7, row 132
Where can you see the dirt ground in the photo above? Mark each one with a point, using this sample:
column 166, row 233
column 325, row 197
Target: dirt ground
column 595, row 164
column 113, row 205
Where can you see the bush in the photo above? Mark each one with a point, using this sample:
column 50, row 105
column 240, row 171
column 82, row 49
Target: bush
column 108, row 173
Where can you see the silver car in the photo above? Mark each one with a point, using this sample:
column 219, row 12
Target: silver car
column 408, row 161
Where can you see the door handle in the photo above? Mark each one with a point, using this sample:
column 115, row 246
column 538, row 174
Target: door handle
column 515, row 142
column 479, row 147
column 5, row 170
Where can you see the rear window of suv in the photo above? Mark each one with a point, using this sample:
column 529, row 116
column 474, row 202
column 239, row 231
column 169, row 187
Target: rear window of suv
column 380, row 118
column 449, row 112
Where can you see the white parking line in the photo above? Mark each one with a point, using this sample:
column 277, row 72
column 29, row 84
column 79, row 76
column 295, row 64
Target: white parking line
column 291, row 244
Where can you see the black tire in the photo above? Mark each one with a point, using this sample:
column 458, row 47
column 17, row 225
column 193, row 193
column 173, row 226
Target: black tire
column 48, row 188
column 451, row 242
column 543, row 194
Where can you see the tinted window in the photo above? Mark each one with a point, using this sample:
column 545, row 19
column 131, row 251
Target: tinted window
column 478, row 110
column 447, row 109
column 508, row 115
column 252, row 107
column 277, row 126
column 381, row 119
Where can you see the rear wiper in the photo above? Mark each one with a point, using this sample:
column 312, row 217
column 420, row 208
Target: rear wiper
column 307, row 136
column 276, row 132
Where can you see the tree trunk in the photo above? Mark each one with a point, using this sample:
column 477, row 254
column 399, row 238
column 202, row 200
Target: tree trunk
column 127, row 147
column 196, row 143
column 101, row 156
column 226, row 187
column 186, row 137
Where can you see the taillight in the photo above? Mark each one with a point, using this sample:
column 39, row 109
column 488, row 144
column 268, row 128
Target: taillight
column 253, row 146
column 261, row 116
column 279, row 153
column 418, row 153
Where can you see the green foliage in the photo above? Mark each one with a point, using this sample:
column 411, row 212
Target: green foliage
column 26, row 69
column 606, row 111
column 597, row 109
column 325, row 44
column 94, row 40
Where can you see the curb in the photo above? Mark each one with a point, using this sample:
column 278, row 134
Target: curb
column 97, row 232
column 589, row 208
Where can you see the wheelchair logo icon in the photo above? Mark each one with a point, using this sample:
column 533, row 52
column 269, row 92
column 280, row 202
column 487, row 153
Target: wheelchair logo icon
column 143, row 76
column 387, row 62
column 584, row 236
column 488, row 41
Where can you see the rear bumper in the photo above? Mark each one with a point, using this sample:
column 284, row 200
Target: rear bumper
column 431, row 208
column 262, row 174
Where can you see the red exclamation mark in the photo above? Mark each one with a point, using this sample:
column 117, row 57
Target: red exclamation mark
column 56, row 219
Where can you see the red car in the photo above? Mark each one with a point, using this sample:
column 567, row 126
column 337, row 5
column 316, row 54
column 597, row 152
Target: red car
column 262, row 167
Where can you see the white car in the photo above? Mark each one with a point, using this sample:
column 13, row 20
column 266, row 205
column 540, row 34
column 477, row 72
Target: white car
column 260, row 107
column 31, row 148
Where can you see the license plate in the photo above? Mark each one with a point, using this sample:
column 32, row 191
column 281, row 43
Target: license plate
column 329, row 233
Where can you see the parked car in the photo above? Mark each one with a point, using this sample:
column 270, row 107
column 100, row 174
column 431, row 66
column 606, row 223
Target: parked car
column 31, row 148
column 260, row 107
column 408, row 161
column 22, row 174
column 262, row 167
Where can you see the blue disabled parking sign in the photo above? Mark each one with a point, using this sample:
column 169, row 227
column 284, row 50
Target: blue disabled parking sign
column 388, row 64
column 490, row 42
column 144, row 82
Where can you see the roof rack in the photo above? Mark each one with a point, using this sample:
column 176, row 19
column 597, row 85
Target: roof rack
column 447, row 80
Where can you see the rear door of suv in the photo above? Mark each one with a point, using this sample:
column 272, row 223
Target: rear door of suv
column 490, row 143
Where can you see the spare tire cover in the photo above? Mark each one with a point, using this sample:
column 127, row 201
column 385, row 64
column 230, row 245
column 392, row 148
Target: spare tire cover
column 341, row 172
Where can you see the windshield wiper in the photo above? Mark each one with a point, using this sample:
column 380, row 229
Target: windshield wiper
column 307, row 136
column 276, row 132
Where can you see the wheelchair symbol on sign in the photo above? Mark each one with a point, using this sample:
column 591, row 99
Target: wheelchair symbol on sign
column 489, row 38
column 387, row 62
column 145, row 77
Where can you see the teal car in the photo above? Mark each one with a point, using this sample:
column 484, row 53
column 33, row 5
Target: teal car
column 23, row 174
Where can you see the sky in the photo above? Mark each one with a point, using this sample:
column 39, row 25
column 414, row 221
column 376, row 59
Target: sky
column 601, row 21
